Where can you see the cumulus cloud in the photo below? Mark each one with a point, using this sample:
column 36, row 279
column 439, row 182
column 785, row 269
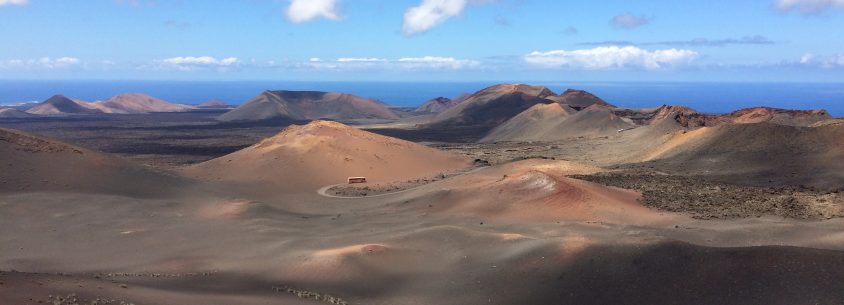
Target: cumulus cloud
column 431, row 13
column 40, row 63
column 629, row 21
column 612, row 58
column 808, row 6
column 306, row 10
column 190, row 63
column 13, row 2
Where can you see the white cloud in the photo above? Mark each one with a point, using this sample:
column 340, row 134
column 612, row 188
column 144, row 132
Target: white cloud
column 60, row 62
column 201, row 61
column 374, row 63
column 307, row 10
column 825, row 62
column 360, row 59
column 437, row 62
column 431, row 13
column 190, row 63
column 629, row 21
column 13, row 2
column 40, row 63
column 807, row 58
column 612, row 58
column 808, row 6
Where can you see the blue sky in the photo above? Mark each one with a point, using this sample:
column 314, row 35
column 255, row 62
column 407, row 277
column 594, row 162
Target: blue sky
column 434, row 40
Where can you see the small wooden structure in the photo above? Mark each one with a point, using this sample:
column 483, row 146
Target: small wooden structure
column 354, row 180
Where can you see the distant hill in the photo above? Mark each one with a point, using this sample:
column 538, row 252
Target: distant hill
column 690, row 118
column 532, row 124
column 121, row 104
column 307, row 105
column 62, row 105
column 684, row 116
column 556, row 123
column 594, row 121
column 436, row 105
column 14, row 113
column 494, row 105
column 550, row 124
column 579, row 99
column 138, row 103
column 213, row 103
column 306, row 157
column 778, row 116
column 528, row 113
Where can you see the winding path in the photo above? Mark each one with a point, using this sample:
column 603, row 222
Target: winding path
column 324, row 190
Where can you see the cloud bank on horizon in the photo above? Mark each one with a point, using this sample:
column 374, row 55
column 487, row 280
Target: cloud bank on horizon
column 13, row 2
column 612, row 58
column 809, row 6
column 478, row 38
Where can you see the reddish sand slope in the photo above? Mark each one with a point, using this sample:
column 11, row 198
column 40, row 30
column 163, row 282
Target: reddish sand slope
column 538, row 190
column 304, row 158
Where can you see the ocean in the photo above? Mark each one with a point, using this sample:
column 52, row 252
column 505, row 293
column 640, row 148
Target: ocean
column 703, row 96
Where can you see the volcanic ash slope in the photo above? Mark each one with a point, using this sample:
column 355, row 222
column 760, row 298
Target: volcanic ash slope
column 35, row 164
column 760, row 153
column 493, row 105
column 552, row 123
